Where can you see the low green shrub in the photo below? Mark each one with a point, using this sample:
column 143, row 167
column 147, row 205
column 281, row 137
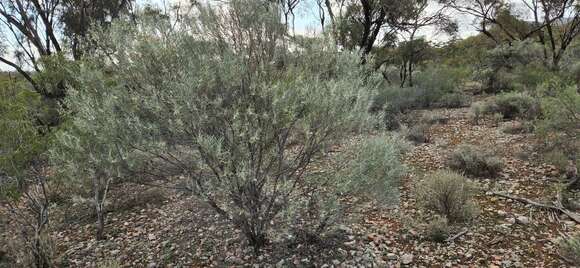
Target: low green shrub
column 560, row 158
column 448, row 194
column 377, row 169
column 418, row 133
column 409, row 98
column 442, row 78
column 433, row 118
column 476, row 112
column 453, row 100
column 570, row 249
column 518, row 128
column 20, row 141
column 475, row 162
column 516, row 105
column 438, row 229
column 391, row 119
column 560, row 125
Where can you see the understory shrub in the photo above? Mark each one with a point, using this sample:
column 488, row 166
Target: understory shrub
column 437, row 229
column 222, row 115
column 474, row 161
column 512, row 105
column 509, row 67
column 409, row 98
column 448, row 194
column 435, row 87
column 570, row 249
column 24, row 191
column 453, row 100
column 518, row 128
column 560, row 125
column 476, row 112
column 418, row 133
column 442, row 78
column 378, row 168
column 516, row 105
column 433, row 118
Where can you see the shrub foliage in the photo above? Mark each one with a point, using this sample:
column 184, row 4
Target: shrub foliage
column 448, row 194
column 473, row 161
column 187, row 101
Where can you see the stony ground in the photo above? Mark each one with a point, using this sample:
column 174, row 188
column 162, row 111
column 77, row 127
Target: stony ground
column 161, row 228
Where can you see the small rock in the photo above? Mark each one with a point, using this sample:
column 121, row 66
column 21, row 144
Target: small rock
column 152, row 265
column 523, row 220
column 280, row 264
column 501, row 213
column 335, row 262
column 350, row 243
column 391, row 256
column 407, row 259
column 511, row 220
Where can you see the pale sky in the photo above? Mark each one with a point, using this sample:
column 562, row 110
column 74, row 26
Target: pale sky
column 306, row 21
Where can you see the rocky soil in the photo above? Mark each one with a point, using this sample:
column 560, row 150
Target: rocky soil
column 168, row 229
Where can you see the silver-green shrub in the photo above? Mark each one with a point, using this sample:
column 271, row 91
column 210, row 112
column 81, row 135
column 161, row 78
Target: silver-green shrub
column 570, row 249
column 476, row 162
column 560, row 124
column 217, row 100
column 448, row 194
column 377, row 168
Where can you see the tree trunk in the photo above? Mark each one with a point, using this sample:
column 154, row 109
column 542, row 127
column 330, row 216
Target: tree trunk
column 403, row 73
column 100, row 225
column 100, row 188
column 410, row 73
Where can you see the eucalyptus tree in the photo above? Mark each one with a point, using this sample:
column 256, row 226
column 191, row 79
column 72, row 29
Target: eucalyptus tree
column 32, row 27
column 77, row 16
column 422, row 15
column 34, row 32
column 554, row 23
column 365, row 23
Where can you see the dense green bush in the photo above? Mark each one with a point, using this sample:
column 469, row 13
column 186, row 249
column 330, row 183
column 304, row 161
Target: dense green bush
column 476, row 162
column 507, row 67
column 453, row 100
column 222, row 114
column 527, row 78
column 448, row 194
column 512, row 105
column 23, row 186
column 436, row 86
column 516, row 105
column 20, row 141
column 408, row 98
column 442, row 78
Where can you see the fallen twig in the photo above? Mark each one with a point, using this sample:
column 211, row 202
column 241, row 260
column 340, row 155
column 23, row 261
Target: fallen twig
column 575, row 217
column 495, row 241
column 450, row 239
